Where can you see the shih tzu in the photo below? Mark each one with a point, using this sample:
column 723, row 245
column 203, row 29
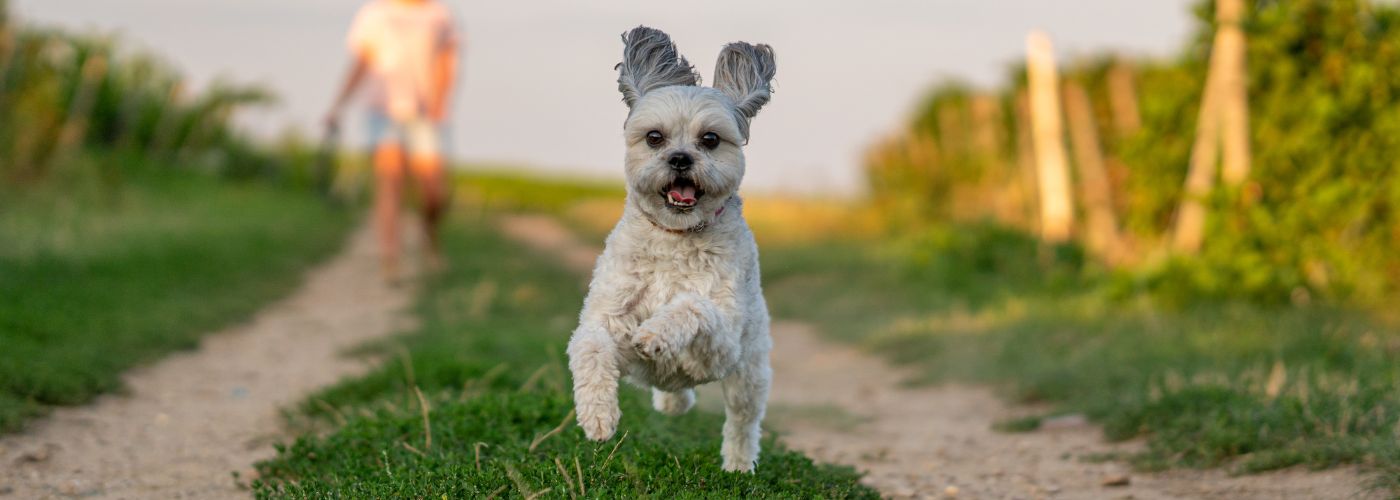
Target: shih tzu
column 675, row 300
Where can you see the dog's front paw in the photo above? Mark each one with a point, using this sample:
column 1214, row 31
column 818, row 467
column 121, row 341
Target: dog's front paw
column 651, row 345
column 599, row 425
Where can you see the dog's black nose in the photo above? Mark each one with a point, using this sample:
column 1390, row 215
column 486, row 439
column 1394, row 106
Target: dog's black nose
column 680, row 161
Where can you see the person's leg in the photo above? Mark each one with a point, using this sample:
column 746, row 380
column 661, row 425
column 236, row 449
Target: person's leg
column 388, row 191
column 429, row 172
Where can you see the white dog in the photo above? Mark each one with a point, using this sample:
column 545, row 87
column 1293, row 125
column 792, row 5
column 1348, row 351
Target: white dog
column 675, row 300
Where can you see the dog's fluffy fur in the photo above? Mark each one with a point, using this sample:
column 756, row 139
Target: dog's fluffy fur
column 675, row 300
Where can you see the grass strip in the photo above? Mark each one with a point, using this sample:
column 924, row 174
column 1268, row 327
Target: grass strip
column 488, row 359
column 95, row 282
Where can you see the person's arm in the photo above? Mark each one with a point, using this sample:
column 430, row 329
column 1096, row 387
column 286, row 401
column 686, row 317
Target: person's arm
column 444, row 78
column 359, row 67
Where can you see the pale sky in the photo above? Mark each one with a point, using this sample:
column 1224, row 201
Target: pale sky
column 539, row 90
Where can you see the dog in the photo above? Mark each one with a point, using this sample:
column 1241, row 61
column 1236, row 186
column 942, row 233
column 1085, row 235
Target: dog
column 675, row 300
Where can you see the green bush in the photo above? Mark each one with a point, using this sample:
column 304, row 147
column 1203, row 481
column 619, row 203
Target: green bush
column 1317, row 217
column 111, row 100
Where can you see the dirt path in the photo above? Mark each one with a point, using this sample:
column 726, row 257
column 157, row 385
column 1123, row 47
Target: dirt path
column 192, row 419
column 840, row 405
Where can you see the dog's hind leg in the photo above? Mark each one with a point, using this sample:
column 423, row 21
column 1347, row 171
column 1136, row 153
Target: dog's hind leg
column 745, row 400
column 593, row 360
column 672, row 403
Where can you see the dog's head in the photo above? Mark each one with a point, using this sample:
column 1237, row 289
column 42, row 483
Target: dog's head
column 685, row 142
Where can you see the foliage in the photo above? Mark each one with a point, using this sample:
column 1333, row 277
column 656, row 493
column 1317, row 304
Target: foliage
column 1320, row 212
column 1245, row 385
column 61, row 93
column 489, row 359
column 498, row 188
column 94, row 284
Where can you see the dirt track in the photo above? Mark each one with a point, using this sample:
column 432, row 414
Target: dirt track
column 840, row 405
column 191, row 420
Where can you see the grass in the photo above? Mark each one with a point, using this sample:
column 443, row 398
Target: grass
column 592, row 207
column 96, row 279
column 488, row 362
column 1247, row 386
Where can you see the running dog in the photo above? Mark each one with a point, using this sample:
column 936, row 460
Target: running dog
column 675, row 300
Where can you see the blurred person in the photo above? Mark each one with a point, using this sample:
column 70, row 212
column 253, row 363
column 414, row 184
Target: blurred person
column 405, row 52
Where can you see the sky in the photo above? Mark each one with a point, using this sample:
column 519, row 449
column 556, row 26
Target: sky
column 538, row 89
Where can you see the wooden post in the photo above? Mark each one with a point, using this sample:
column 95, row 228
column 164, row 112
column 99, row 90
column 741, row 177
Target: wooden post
column 1025, row 160
column 986, row 126
column 1234, row 105
column 952, row 129
column 990, row 154
column 7, row 52
column 1200, row 177
column 75, row 126
column 1123, row 99
column 1101, row 230
column 1224, row 88
column 164, row 137
column 1056, row 202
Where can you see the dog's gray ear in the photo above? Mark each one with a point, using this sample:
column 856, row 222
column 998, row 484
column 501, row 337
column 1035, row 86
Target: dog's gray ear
column 745, row 74
column 649, row 62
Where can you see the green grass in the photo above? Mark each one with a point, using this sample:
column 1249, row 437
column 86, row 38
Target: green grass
column 489, row 358
column 1246, row 386
column 95, row 280
column 501, row 189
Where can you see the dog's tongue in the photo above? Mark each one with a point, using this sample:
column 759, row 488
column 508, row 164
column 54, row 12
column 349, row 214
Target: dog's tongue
column 683, row 194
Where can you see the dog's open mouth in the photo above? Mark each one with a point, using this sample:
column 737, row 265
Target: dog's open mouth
column 682, row 194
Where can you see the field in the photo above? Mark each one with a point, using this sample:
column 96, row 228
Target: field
column 98, row 279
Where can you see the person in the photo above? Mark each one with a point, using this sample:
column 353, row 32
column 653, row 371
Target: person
column 405, row 52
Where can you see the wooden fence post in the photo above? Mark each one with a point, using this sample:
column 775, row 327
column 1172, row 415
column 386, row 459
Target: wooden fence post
column 1200, row 177
column 1224, row 88
column 1234, row 105
column 1123, row 99
column 163, row 139
column 952, row 129
column 1025, row 161
column 1101, row 230
column 94, row 71
column 986, row 126
column 1056, row 202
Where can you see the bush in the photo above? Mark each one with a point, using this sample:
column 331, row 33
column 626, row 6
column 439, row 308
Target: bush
column 1319, row 212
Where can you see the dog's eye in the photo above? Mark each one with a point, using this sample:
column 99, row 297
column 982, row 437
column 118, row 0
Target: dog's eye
column 710, row 140
column 654, row 138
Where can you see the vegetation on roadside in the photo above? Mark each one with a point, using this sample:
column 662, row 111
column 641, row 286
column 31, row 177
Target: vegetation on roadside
column 1318, row 214
column 1274, row 346
column 488, row 361
column 134, row 216
column 97, row 281
column 63, row 93
column 1248, row 386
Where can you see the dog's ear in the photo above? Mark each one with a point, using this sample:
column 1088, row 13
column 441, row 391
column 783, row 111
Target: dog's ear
column 745, row 74
column 649, row 62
